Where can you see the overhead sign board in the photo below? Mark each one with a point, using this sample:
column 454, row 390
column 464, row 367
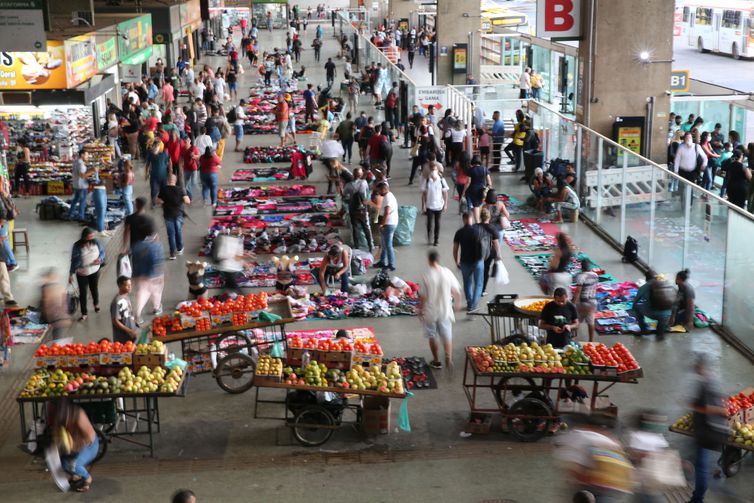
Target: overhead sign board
column 679, row 81
column 138, row 35
column 559, row 19
column 80, row 59
column 436, row 96
column 22, row 25
column 107, row 53
column 24, row 71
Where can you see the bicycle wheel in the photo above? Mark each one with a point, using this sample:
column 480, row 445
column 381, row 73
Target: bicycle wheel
column 235, row 373
column 529, row 419
column 730, row 460
column 510, row 389
column 313, row 426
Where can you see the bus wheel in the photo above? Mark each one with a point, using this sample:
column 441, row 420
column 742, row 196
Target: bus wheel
column 735, row 52
column 700, row 45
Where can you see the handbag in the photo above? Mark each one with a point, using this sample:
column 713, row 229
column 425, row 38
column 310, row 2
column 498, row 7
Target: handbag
column 414, row 150
column 72, row 293
column 661, row 469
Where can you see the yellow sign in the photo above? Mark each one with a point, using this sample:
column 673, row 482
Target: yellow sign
column 55, row 188
column 80, row 59
column 459, row 58
column 630, row 137
column 34, row 70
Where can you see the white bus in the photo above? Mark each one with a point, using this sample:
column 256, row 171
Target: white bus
column 723, row 26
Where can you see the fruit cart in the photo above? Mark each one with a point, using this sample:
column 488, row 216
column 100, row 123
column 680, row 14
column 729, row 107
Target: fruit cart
column 740, row 443
column 229, row 350
column 507, row 322
column 313, row 421
column 130, row 417
column 529, row 395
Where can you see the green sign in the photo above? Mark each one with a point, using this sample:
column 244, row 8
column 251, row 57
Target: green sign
column 138, row 58
column 107, row 54
column 138, row 36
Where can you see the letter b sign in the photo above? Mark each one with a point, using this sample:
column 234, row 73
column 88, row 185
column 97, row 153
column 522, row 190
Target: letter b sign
column 559, row 19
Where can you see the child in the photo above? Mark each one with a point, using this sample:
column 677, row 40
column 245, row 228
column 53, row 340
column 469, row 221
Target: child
column 484, row 145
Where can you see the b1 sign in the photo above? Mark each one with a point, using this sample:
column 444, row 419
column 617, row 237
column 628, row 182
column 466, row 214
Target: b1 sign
column 559, row 19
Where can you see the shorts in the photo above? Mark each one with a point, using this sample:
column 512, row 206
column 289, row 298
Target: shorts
column 238, row 131
column 232, row 86
column 440, row 328
column 484, row 150
column 282, row 128
column 586, row 311
column 567, row 205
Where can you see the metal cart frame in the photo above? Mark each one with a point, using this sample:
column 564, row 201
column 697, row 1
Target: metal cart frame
column 236, row 363
column 731, row 456
column 529, row 418
column 505, row 321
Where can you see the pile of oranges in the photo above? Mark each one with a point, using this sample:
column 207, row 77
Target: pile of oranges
column 536, row 306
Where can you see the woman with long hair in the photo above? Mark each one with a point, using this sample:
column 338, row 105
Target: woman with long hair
column 87, row 258
column 709, row 170
column 76, row 438
column 127, row 186
column 209, row 168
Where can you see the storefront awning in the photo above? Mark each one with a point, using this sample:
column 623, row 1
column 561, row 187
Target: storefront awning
column 138, row 58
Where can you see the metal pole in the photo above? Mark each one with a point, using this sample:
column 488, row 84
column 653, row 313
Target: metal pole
column 579, row 134
column 623, row 199
column 686, row 219
column 599, row 179
column 652, row 203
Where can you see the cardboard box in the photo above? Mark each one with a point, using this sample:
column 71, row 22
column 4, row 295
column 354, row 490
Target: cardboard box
column 150, row 360
column 376, row 415
column 121, row 358
column 365, row 360
column 479, row 423
column 46, row 361
column 87, row 360
column 220, row 319
column 338, row 357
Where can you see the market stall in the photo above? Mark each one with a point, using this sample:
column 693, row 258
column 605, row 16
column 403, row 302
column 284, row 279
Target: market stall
column 277, row 205
column 740, row 443
column 286, row 238
column 546, row 378
column 325, row 378
column 224, row 337
column 118, row 386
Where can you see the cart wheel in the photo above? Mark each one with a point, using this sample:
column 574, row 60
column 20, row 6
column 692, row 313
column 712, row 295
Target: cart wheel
column 103, row 441
column 235, row 373
column 512, row 388
column 236, row 342
column 536, row 421
column 730, row 460
column 306, row 429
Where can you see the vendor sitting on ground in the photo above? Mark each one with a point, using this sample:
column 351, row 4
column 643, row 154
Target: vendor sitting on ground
column 560, row 318
column 653, row 301
column 336, row 266
column 565, row 198
column 683, row 310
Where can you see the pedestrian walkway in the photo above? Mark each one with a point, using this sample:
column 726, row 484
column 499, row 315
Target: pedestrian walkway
column 210, row 443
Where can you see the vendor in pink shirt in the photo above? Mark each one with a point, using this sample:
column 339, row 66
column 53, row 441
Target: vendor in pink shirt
column 483, row 142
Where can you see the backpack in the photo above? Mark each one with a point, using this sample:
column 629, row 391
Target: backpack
column 231, row 116
column 662, row 294
column 630, row 250
column 386, row 149
column 381, row 280
column 534, row 141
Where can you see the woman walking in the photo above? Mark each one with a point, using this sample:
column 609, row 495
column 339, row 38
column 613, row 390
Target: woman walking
column 172, row 198
column 209, row 167
column 127, row 186
column 87, row 258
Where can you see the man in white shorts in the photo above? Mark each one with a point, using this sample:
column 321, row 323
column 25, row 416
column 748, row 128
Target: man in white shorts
column 439, row 291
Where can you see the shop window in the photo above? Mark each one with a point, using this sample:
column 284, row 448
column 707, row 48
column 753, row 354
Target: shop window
column 703, row 17
column 731, row 19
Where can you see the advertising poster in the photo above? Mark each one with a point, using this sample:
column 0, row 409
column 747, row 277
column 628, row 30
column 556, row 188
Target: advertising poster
column 433, row 95
column 22, row 71
column 80, row 59
column 630, row 137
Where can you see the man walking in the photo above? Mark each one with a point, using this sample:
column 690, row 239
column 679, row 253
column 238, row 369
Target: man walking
column 389, row 214
column 439, row 291
column 281, row 116
column 356, row 192
column 80, row 173
column 330, row 71
column 468, row 240
column 434, row 200
column 498, row 137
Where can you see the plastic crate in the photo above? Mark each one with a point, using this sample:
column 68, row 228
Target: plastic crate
column 502, row 305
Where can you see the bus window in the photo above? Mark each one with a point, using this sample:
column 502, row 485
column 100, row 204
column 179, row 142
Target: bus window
column 731, row 19
column 703, row 16
column 686, row 12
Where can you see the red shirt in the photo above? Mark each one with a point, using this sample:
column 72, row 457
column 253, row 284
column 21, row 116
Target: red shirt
column 173, row 149
column 150, row 124
column 189, row 164
column 209, row 164
column 374, row 142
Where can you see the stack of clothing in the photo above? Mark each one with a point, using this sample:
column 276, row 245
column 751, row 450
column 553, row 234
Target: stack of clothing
column 268, row 155
column 264, row 191
column 268, row 206
column 279, row 240
column 257, row 275
column 530, row 236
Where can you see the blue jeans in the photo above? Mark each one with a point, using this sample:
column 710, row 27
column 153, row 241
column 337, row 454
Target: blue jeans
column 209, row 186
column 175, row 237
column 345, row 278
column 347, row 149
column 77, row 463
column 127, row 193
column 99, row 198
column 155, row 184
column 387, row 257
column 662, row 317
column 189, row 180
column 79, row 200
column 702, row 473
column 473, row 281
column 10, row 258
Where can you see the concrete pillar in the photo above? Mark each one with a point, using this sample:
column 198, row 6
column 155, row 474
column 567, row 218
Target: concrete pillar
column 612, row 80
column 401, row 9
column 457, row 23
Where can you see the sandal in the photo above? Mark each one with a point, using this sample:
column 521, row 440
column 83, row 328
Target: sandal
column 81, row 485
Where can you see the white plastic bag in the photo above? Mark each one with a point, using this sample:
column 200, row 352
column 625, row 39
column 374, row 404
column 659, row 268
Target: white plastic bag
column 501, row 273
column 124, row 266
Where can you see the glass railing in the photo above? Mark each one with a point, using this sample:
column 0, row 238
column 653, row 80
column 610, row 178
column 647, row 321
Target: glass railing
column 677, row 225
